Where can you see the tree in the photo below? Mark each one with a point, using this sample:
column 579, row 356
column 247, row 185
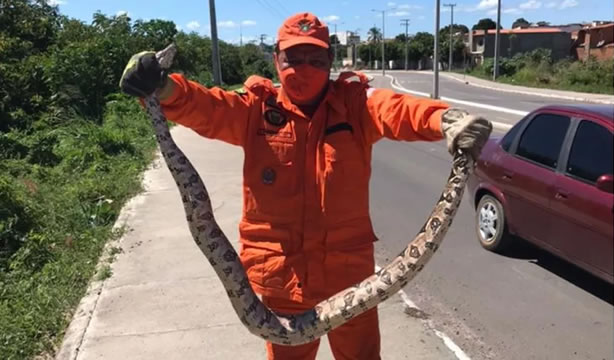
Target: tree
column 485, row 24
column 334, row 39
column 374, row 35
column 457, row 28
column 520, row 23
column 543, row 23
column 401, row 38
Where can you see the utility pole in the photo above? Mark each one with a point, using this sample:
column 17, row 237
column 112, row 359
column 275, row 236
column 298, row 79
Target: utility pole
column 383, row 39
column 451, row 27
column 217, row 68
column 262, row 37
column 240, row 34
column 436, row 52
column 496, row 67
column 406, row 23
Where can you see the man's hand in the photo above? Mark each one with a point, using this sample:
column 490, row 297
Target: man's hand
column 464, row 131
column 143, row 75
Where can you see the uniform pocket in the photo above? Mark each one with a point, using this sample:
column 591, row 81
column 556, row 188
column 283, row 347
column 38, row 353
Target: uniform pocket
column 346, row 178
column 271, row 180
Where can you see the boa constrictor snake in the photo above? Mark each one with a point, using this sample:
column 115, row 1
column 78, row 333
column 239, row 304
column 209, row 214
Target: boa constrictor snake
column 330, row 313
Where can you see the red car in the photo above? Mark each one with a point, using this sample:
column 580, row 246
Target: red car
column 549, row 180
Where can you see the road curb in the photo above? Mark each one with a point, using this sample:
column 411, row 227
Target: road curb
column 502, row 89
column 554, row 96
column 77, row 329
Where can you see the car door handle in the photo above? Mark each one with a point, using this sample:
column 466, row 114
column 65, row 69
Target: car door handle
column 561, row 195
column 507, row 175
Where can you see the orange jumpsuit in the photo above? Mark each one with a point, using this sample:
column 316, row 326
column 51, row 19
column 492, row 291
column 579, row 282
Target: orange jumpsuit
column 305, row 231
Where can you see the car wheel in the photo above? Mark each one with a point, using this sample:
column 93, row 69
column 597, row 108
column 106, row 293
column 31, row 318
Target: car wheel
column 490, row 224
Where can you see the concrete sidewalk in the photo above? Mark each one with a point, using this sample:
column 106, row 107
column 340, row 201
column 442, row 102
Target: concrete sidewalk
column 551, row 93
column 164, row 301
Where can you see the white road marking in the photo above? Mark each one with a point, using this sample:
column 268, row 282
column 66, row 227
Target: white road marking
column 496, row 124
column 450, row 344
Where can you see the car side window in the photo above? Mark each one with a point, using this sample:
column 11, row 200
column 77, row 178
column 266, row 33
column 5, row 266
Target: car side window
column 591, row 153
column 542, row 140
column 509, row 137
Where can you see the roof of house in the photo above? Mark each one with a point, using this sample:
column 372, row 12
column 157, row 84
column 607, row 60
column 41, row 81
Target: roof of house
column 541, row 30
column 598, row 27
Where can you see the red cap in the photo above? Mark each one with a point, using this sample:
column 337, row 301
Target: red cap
column 302, row 28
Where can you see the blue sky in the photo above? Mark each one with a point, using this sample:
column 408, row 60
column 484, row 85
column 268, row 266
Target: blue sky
column 256, row 17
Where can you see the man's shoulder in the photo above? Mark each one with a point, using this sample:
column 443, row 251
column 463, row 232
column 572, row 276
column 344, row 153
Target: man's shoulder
column 259, row 85
column 352, row 83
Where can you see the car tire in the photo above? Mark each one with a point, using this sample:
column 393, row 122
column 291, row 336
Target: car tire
column 491, row 226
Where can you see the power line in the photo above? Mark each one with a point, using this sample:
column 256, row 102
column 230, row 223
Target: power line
column 282, row 7
column 271, row 10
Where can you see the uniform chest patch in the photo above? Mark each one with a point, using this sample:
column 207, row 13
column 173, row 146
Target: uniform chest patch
column 275, row 117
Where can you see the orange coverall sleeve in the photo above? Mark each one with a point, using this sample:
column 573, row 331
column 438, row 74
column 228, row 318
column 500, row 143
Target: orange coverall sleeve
column 401, row 117
column 212, row 113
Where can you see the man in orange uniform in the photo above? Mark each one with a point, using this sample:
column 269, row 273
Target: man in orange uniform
column 305, row 232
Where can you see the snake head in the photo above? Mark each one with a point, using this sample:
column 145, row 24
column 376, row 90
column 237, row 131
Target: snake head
column 165, row 57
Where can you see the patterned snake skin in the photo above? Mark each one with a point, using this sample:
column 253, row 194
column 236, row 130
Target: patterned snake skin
column 330, row 313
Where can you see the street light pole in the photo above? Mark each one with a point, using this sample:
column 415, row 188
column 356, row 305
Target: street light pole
column 496, row 67
column 217, row 68
column 335, row 45
column 451, row 26
column 383, row 39
column 406, row 23
column 436, row 53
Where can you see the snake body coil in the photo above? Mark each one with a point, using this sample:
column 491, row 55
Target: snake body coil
column 330, row 313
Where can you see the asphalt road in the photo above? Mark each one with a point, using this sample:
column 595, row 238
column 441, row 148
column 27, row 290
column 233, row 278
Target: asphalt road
column 525, row 305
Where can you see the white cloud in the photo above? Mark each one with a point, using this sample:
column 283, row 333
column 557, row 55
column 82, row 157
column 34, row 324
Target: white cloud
column 357, row 17
column 56, row 2
column 531, row 4
column 512, row 11
column 486, row 4
column 226, row 24
column 551, row 5
column 399, row 13
column 411, row 7
column 248, row 23
column 568, row 4
column 193, row 25
column 421, row 17
column 122, row 13
column 392, row 4
column 331, row 18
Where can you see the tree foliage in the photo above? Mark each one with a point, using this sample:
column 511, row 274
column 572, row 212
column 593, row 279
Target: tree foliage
column 520, row 22
column 485, row 24
column 71, row 151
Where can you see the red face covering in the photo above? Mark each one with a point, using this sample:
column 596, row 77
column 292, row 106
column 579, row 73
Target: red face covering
column 303, row 83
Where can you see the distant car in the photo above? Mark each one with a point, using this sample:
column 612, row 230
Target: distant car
column 549, row 180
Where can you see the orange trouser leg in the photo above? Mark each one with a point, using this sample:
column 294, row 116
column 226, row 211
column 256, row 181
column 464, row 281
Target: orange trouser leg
column 358, row 339
column 280, row 352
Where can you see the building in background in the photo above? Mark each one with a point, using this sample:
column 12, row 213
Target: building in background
column 481, row 43
column 596, row 40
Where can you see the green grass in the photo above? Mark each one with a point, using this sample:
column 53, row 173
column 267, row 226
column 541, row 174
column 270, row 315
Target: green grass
column 61, row 189
column 591, row 76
